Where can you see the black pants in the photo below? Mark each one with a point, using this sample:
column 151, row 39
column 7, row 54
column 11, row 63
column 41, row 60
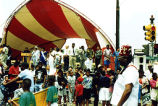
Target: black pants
column 66, row 63
column 97, row 62
column 96, row 99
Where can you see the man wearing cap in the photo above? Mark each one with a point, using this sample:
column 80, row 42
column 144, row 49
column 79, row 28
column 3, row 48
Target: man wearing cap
column 126, row 86
column 79, row 92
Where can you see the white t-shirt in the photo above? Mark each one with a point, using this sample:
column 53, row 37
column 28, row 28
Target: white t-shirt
column 71, row 80
column 67, row 52
column 73, row 53
column 130, row 75
column 27, row 74
column 148, row 74
column 51, row 63
column 89, row 63
column 107, row 54
column 87, row 82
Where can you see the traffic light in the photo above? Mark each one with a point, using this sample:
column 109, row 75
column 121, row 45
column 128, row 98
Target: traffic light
column 150, row 35
column 153, row 32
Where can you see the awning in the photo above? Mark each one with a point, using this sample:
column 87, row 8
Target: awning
column 48, row 23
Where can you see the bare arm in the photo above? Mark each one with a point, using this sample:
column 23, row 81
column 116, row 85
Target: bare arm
column 49, row 103
column 126, row 94
column 13, row 102
column 69, row 86
column 15, row 79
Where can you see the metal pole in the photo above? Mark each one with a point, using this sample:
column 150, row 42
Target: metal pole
column 152, row 43
column 117, row 24
column 152, row 49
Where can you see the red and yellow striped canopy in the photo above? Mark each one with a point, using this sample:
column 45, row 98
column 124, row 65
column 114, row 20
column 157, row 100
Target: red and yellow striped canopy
column 48, row 23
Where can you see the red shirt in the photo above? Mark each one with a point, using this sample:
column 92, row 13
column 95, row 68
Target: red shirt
column 107, row 75
column 13, row 70
column 79, row 90
column 153, row 83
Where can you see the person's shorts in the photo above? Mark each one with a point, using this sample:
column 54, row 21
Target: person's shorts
column 62, row 92
column 106, row 62
column 79, row 99
column 86, row 93
column 104, row 94
column 153, row 94
column 54, row 104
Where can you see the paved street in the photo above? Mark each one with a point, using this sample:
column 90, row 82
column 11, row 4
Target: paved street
column 89, row 105
column 92, row 99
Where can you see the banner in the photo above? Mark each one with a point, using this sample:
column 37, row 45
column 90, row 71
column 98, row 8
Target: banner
column 40, row 98
column 146, row 98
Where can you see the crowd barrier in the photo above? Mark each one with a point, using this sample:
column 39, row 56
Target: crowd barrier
column 39, row 96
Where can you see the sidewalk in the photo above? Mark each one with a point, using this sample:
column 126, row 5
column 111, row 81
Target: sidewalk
column 92, row 100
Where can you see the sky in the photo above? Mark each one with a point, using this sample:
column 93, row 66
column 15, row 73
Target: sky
column 134, row 14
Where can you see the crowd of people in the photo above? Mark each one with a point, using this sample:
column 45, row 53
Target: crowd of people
column 71, row 76
column 148, row 86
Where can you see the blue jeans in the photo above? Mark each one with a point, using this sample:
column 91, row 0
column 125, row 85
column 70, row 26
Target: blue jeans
column 38, row 87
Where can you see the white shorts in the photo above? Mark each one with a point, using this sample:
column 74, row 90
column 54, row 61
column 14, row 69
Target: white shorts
column 104, row 94
column 153, row 94
column 62, row 92
column 54, row 104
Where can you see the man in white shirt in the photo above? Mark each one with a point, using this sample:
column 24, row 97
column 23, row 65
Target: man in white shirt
column 51, row 62
column 72, row 57
column 107, row 54
column 25, row 73
column 35, row 56
column 126, row 86
column 66, row 58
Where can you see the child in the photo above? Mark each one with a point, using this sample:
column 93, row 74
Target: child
column 87, row 84
column 6, row 79
column 71, row 84
column 62, row 82
column 79, row 92
column 52, row 92
column 27, row 98
column 32, row 69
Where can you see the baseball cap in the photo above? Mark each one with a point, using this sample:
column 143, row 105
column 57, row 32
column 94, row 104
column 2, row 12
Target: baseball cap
column 80, row 79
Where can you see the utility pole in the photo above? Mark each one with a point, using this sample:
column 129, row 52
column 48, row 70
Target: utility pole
column 117, row 24
column 152, row 43
column 150, row 35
